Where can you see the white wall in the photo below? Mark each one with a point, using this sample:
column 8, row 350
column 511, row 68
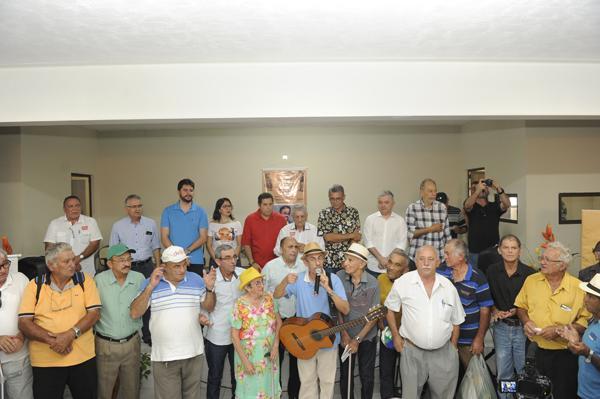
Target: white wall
column 10, row 185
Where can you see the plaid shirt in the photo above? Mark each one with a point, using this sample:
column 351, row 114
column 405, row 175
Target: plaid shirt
column 419, row 217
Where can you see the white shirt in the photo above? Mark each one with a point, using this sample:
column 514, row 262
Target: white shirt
column 309, row 234
column 77, row 235
column 219, row 332
column 426, row 321
column 12, row 292
column 276, row 270
column 384, row 235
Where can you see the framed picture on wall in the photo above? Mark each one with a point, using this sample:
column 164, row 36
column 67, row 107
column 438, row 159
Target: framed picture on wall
column 81, row 186
column 288, row 187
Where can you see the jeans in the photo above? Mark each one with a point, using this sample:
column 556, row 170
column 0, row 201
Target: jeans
column 367, row 351
column 388, row 359
column 215, row 358
column 509, row 344
column 18, row 379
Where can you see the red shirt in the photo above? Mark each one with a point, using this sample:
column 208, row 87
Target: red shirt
column 261, row 234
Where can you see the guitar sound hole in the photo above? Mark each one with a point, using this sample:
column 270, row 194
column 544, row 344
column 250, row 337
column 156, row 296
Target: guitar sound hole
column 316, row 335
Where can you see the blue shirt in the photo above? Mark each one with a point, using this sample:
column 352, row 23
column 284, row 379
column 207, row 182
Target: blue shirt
column 589, row 375
column 184, row 228
column 142, row 237
column 308, row 304
column 474, row 293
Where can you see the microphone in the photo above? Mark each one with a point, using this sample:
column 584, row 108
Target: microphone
column 317, row 281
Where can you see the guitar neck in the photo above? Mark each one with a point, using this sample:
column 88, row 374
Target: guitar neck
column 345, row 326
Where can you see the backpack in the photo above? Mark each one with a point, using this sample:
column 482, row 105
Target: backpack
column 78, row 278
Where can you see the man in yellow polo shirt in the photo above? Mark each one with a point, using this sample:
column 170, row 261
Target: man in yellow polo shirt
column 549, row 300
column 57, row 314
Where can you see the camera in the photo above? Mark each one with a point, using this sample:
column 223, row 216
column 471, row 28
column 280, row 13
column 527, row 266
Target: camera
column 488, row 182
column 529, row 384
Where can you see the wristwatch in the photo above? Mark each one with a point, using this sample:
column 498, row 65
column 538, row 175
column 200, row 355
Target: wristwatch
column 77, row 331
column 357, row 338
column 210, row 290
column 81, row 256
column 588, row 359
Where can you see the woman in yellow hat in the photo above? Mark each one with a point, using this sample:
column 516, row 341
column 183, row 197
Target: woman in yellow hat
column 255, row 324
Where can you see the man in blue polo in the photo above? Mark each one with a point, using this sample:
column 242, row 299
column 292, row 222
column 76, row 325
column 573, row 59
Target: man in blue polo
column 185, row 225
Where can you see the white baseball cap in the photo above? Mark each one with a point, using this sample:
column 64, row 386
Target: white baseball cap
column 173, row 254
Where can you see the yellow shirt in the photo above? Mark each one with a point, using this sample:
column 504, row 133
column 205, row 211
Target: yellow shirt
column 58, row 311
column 385, row 286
column 546, row 308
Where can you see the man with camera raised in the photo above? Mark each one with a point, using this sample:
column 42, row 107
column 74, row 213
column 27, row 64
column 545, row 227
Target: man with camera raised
column 484, row 216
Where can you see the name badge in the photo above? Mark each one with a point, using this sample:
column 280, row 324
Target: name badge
column 565, row 307
column 148, row 233
column 593, row 336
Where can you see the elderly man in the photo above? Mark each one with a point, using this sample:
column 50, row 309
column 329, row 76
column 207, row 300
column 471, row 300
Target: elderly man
column 397, row 265
column 217, row 341
column 185, row 224
column 427, row 221
column 300, row 230
column 260, row 232
column 484, row 216
column 175, row 297
column 588, row 273
column 474, row 292
column 362, row 292
column 383, row 232
column 79, row 231
column 506, row 280
column 117, row 338
column 15, row 368
column 339, row 225
column 428, row 336
column 274, row 272
column 57, row 313
column 140, row 234
column 317, row 375
column 548, row 301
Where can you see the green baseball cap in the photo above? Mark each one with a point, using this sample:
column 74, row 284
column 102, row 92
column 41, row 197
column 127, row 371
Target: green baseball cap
column 117, row 250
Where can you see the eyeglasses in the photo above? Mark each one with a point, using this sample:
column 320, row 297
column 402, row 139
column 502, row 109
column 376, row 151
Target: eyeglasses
column 135, row 206
column 544, row 259
column 5, row 264
column 257, row 282
column 230, row 258
column 126, row 260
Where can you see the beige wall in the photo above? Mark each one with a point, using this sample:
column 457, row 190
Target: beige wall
column 10, row 185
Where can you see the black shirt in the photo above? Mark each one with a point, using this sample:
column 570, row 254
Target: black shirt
column 587, row 274
column 483, row 225
column 505, row 289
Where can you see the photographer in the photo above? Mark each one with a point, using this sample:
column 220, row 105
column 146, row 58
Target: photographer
column 548, row 301
column 484, row 216
column 588, row 347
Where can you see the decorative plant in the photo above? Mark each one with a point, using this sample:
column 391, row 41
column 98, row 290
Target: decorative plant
column 548, row 236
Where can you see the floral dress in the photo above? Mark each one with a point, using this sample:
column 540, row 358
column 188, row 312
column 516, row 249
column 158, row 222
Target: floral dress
column 257, row 325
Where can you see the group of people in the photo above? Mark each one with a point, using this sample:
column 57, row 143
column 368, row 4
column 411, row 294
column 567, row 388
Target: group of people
column 73, row 327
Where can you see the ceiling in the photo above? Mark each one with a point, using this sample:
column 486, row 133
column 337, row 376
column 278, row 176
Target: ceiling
column 91, row 32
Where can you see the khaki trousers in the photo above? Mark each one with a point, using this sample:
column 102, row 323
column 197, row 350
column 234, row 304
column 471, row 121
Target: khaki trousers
column 177, row 379
column 319, row 369
column 121, row 360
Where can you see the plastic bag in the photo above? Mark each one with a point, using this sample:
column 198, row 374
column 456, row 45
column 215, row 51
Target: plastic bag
column 476, row 383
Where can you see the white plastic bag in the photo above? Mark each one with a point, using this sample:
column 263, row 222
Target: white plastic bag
column 476, row 383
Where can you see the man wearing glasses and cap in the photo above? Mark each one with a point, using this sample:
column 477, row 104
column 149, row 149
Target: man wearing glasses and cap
column 117, row 339
column 15, row 368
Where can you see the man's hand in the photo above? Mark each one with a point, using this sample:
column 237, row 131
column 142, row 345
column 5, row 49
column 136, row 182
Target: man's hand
column 382, row 262
column 356, row 236
column 477, row 346
column 204, row 320
column 156, row 275
column 210, row 278
column 398, row 343
column 77, row 262
column 550, row 333
column 530, row 329
column 291, row 278
column 579, row 348
column 480, row 187
column 62, row 342
column 324, row 281
column 353, row 346
column 569, row 333
column 436, row 228
column 10, row 343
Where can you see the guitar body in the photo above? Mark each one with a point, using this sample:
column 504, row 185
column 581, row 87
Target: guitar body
column 302, row 337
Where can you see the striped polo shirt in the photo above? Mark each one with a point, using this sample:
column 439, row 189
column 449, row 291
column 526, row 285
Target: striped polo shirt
column 176, row 332
column 474, row 293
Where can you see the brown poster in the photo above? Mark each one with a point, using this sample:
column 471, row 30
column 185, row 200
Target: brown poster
column 288, row 186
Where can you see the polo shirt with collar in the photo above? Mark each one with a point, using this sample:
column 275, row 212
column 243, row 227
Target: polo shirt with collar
column 589, row 375
column 362, row 297
column 227, row 291
column 12, row 291
column 274, row 272
column 309, row 234
column 184, row 228
column 427, row 321
column 115, row 320
column 307, row 303
column 385, row 235
column 545, row 308
column 143, row 236
column 77, row 235
column 260, row 234
column 176, row 331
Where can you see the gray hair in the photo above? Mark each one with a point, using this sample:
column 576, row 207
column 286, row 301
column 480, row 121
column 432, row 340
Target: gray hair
column 564, row 252
column 386, row 193
column 299, row 208
column 424, row 247
column 132, row 196
column 336, row 188
column 425, row 181
column 459, row 247
column 401, row 253
column 221, row 248
column 56, row 249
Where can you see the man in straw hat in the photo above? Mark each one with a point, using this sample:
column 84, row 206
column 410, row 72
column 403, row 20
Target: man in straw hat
column 318, row 372
column 587, row 348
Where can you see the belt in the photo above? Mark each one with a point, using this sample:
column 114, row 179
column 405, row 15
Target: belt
column 137, row 262
column 119, row 341
column 511, row 322
column 413, row 344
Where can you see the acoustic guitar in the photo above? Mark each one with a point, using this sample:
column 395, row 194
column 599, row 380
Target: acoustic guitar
column 303, row 337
